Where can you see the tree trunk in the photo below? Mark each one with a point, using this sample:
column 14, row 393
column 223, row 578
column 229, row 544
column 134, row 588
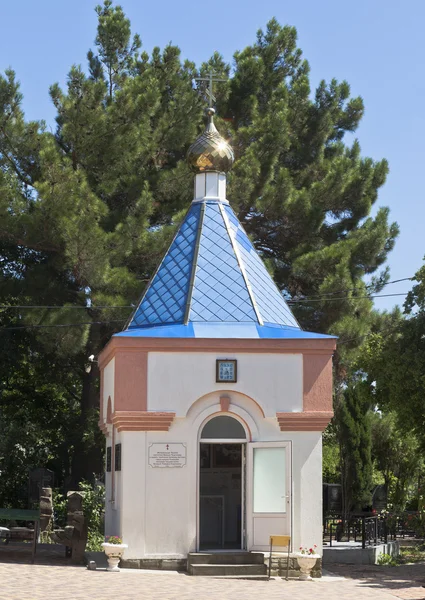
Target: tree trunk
column 87, row 459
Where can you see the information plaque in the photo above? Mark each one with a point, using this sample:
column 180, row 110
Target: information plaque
column 167, row 455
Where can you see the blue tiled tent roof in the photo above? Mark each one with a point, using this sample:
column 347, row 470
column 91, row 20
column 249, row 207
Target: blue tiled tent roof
column 166, row 297
column 219, row 293
column 212, row 274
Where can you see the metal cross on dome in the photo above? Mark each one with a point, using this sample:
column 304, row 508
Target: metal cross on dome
column 211, row 79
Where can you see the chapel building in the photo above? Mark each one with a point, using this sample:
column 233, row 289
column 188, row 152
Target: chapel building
column 213, row 399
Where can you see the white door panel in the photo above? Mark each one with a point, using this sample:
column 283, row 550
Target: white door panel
column 268, row 492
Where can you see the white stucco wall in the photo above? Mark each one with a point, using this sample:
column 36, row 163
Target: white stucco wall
column 307, row 489
column 158, row 507
column 176, row 380
column 113, row 492
column 112, row 515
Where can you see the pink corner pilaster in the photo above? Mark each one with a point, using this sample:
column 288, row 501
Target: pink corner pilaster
column 317, row 383
column 131, row 374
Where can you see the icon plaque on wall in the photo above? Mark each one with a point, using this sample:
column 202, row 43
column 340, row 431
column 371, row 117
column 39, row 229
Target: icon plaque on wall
column 226, row 371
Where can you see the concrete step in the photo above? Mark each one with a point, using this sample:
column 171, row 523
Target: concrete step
column 214, row 570
column 225, row 558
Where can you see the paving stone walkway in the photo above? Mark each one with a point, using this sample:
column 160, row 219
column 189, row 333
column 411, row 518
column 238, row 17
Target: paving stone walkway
column 47, row 582
column 406, row 581
column 54, row 578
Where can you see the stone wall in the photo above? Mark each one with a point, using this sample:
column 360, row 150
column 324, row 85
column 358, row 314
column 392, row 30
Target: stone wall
column 357, row 556
column 161, row 564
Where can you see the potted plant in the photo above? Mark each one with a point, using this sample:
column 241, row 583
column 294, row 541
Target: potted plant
column 114, row 549
column 306, row 558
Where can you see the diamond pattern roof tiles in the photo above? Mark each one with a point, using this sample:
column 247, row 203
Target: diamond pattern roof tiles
column 212, row 269
column 219, row 293
column 270, row 302
column 165, row 298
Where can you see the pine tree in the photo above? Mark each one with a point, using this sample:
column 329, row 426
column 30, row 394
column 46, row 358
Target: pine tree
column 394, row 360
column 398, row 457
column 303, row 194
column 355, row 450
column 87, row 213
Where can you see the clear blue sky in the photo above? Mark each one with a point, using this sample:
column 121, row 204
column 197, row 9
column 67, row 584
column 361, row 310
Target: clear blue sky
column 378, row 46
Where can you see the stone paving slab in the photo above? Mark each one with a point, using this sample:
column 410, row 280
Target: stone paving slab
column 406, row 581
column 43, row 582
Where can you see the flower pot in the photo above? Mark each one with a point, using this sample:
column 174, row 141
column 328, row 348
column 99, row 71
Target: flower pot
column 113, row 553
column 306, row 563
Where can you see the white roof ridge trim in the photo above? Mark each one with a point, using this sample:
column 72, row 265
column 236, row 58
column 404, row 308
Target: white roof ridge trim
column 241, row 266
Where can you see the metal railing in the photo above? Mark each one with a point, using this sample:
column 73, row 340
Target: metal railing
column 367, row 528
column 370, row 530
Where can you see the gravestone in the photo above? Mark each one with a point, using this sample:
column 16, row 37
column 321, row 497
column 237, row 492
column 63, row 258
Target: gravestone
column 332, row 498
column 74, row 535
column 379, row 498
column 46, row 509
column 39, row 478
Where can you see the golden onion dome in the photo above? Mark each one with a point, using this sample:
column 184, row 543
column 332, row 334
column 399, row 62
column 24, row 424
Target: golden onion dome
column 210, row 152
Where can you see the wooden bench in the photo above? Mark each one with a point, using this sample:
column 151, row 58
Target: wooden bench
column 19, row 514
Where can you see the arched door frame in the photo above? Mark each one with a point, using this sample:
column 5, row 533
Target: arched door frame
column 224, row 440
column 237, row 412
column 243, row 443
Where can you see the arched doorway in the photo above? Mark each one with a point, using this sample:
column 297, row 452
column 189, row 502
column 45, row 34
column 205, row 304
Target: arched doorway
column 222, row 447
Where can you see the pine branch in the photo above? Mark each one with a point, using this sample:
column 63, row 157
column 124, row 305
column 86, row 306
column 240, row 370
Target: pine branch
column 26, row 243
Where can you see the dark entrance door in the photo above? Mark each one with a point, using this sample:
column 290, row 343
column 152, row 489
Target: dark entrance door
column 220, row 504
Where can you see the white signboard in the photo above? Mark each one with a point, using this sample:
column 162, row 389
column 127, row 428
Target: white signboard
column 167, row 455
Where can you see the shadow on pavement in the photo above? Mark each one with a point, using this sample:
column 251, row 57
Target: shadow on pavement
column 389, row 578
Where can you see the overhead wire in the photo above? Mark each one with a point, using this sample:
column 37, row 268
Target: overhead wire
column 309, row 299
column 355, row 289
column 344, row 298
column 9, row 328
column 317, row 298
column 65, row 307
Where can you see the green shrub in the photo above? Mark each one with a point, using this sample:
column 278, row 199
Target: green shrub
column 94, row 510
column 93, row 505
column 94, row 541
column 59, row 509
column 386, row 559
